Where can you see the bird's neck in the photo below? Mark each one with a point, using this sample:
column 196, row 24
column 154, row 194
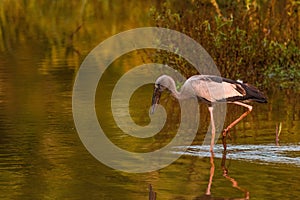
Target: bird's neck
column 186, row 92
column 174, row 91
column 176, row 94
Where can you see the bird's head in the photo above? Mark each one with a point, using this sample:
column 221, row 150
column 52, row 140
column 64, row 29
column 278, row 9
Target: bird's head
column 162, row 83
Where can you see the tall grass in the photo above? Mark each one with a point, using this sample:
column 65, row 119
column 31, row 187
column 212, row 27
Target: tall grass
column 256, row 41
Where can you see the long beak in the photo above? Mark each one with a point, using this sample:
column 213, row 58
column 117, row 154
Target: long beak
column 155, row 99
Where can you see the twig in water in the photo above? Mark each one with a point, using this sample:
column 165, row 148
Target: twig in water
column 152, row 194
column 278, row 131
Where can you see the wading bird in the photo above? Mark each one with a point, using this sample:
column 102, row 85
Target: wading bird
column 210, row 90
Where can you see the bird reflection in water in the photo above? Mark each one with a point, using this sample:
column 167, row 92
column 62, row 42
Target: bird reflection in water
column 225, row 171
column 234, row 182
column 207, row 195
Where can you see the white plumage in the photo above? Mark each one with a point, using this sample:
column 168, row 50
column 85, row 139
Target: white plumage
column 210, row 89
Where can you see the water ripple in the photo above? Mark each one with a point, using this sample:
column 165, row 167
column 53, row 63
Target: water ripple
column 264, row 154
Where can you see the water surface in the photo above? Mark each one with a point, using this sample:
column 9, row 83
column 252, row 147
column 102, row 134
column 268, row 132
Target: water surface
column 42, row 156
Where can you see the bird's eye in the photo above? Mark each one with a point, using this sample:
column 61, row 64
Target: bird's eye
column 161, row 88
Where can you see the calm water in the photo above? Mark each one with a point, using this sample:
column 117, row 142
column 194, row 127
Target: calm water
column 42, row 156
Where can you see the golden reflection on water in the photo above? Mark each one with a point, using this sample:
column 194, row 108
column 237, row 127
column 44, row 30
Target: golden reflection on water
column 41, row 154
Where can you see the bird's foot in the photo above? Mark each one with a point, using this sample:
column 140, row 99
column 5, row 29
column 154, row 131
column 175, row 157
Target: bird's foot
column 225, row 135
column 228, row 135
column 224, row 143
column 211, row 149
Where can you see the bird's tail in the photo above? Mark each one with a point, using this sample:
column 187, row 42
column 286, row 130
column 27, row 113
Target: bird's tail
column 252, row 93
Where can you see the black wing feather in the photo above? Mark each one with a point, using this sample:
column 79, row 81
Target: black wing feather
column 249, row 92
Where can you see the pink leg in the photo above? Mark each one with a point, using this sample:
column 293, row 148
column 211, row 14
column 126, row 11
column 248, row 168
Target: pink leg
column 211, row 174
column 226, row 130
column 213, row 129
